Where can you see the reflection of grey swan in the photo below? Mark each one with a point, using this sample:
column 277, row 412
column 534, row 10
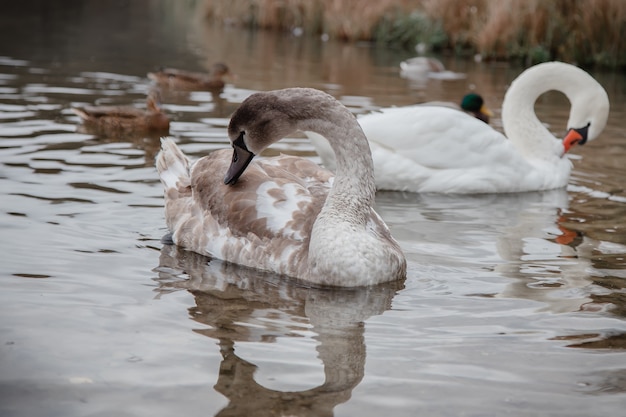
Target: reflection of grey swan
column 284, row 215
column 537, row 258
column 240, row 305
column 436, row 149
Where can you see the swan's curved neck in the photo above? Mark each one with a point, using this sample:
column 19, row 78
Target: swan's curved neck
column 519, row 120
column 354, row 188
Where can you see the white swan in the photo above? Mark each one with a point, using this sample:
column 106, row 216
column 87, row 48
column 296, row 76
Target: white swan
column 284, row 214
column 422, row 68
column 436, row 149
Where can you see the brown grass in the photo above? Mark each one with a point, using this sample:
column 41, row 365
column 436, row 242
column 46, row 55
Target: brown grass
column 344, row 19
column 586, row 31
column 575, row 30
column 459, row 18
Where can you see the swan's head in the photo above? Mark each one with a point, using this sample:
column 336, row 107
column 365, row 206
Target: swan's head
column 265, row 118
column 255, row 125
column 588, row 116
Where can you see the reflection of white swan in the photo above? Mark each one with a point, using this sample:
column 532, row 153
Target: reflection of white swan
column 537, row 258
column 286, row 214
column 435, row 149
column 241, row 305
column 521, row 237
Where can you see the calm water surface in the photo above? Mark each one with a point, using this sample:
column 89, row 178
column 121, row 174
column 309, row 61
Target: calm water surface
column 513, row 305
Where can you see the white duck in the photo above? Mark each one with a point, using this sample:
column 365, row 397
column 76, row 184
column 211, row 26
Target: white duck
column 437, row 149
column 284, row 214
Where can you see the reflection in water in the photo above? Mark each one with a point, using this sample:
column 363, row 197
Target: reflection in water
column 537, row 253
column 550, row 262
column 148, row 143
column 605, row 382
column 239, row 303
column 596, row 341
column 545, row 260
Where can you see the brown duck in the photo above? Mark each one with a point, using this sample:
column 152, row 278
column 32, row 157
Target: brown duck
column 125, row 120
column 177, row 79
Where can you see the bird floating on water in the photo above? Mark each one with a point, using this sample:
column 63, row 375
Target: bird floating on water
column 437, row 149
column 125, row 120
column 422, row 68
column 178, row 79
column 283, row 214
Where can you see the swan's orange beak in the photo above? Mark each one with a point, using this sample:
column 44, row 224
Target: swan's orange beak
column 572, row 138
column 575, row 136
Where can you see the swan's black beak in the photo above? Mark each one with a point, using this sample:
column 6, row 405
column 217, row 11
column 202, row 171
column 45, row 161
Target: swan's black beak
column 576, row 136
column 241, row 158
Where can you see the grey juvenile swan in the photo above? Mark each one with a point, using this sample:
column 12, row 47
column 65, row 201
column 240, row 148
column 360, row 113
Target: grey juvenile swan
column 283, row 214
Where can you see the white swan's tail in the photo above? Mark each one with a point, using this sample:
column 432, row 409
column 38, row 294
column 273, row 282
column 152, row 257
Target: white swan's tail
column 173, row 167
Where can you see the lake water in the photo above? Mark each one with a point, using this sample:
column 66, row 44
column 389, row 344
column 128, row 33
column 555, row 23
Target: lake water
column 513, row 304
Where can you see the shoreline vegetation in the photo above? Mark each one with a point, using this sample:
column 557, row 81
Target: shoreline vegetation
column 586, row 32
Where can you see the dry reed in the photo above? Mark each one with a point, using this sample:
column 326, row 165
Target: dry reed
column 344, row 19
column 584, row 31
column 587, row 31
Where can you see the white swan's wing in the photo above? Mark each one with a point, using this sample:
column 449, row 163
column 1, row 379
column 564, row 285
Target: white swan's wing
column 436, row 137
column 438, row 149
column 324, row 150
column 433, row 136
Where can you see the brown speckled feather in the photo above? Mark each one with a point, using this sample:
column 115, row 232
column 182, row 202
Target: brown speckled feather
column 236, row 205
column 225, row 220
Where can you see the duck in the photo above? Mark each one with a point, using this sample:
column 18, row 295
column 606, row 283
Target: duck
column 441, row 150
column 471, row 103
column 178, row 79
column 284, row 214
column 125, row 120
